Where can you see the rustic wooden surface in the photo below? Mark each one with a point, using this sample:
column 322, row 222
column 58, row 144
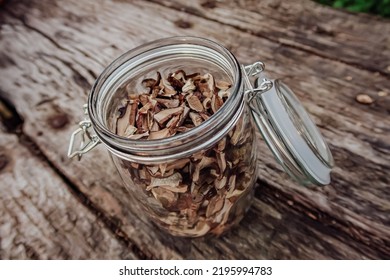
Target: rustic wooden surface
column 54, row 208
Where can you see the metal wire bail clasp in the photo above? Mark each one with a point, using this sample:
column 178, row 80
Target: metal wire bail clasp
column 88, row 140
column 254, row 70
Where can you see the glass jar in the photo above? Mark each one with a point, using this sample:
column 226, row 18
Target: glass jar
column 202, row 181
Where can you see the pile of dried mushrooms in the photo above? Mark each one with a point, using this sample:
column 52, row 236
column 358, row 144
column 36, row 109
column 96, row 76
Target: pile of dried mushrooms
column 208, row 191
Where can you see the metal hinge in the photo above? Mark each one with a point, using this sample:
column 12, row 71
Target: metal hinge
column 265, row 85
column 88, row 140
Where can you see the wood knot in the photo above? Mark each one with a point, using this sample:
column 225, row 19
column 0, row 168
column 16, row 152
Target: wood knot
column 183, row 24
column 3, row 161
column 58, row 121
column 211, row 4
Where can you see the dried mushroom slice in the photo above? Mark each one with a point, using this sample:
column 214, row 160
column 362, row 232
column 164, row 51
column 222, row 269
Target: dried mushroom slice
column 216, row 103
column 167, row 89
column 129, row 131
column 163, row 133
column 189, row 86
column 221, row 160
column 206, row 84
column 196, row 118
column 220, row 84
column 166, row 114
column 177, row 84
column 206, row 103
column 168, row 103
column 171, row 181
column 123, row 120
column 214, row 206
column 179, row 189
column 165, row 197
column 194, row 103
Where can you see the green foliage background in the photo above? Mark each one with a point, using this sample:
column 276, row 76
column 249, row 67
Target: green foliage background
column 379, row 7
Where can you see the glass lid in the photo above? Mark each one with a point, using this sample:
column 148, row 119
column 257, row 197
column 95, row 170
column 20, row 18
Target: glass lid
column 291, row 134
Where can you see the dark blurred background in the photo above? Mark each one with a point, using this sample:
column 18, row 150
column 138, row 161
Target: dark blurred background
column 378, row 7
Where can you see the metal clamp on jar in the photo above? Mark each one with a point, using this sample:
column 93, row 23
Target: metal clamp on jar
column 201, row 181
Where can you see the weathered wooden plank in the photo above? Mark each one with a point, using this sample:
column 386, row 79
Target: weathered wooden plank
column 40, row 218
column 305, row 25
column 48, row 81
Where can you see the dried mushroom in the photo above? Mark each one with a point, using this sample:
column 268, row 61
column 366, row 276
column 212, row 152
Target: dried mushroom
column 164, row 115
column 171, row 105
column 194, row 103
column 195, row 195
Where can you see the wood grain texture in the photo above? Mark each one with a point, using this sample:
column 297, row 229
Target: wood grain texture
column 361, row 40
column 52, row 53
column 40, row 218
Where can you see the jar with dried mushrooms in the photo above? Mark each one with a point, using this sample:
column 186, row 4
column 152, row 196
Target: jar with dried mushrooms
column 177, row 116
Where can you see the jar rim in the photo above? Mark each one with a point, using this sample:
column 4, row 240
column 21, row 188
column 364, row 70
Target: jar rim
column 123, row 146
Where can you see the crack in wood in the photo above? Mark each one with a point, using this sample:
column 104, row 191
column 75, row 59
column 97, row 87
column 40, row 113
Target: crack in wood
column 333, row 225
column 197, row 13
column 16, row 127
column 77, row 77
column 29, row 26
column 9, row 118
